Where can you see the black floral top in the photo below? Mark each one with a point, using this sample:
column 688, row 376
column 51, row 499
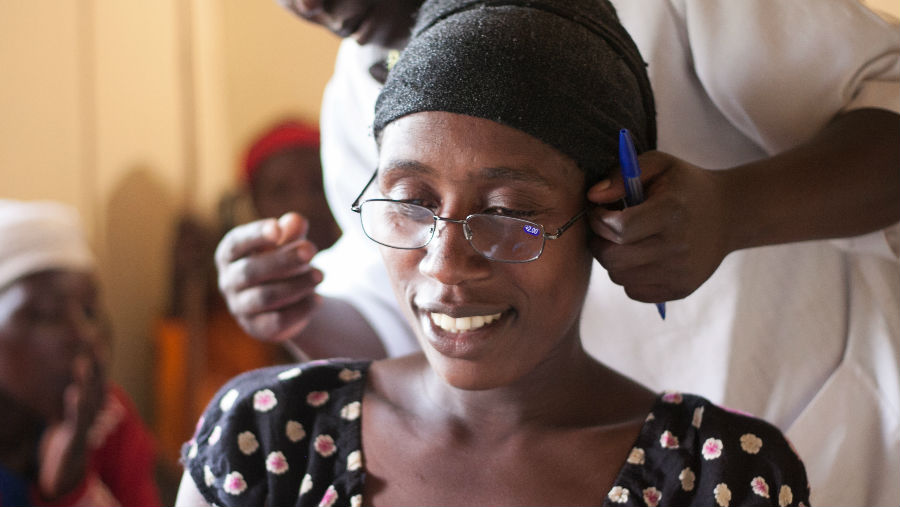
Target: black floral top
column 291, row 435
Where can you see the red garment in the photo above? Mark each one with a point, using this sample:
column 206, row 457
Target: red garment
column 122, row 463
column 125, row 459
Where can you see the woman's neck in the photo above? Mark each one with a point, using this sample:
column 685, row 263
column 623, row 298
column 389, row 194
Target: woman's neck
column 569, row 389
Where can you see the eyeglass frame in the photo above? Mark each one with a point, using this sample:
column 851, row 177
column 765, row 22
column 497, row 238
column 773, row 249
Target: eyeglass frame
column 356, row 207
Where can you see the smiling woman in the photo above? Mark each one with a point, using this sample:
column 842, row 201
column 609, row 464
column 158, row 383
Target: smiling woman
column 490, row 129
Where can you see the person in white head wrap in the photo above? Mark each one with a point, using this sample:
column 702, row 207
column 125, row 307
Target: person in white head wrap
column 67, row 434
column 40, row 235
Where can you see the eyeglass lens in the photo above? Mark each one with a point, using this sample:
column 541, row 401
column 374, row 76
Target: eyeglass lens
column 403, row 225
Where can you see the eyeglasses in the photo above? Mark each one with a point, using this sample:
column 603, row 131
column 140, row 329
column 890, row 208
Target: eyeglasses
column 407, row 226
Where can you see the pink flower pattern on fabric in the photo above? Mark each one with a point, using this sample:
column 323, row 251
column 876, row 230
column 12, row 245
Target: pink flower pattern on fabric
column 760, row 487
column 280, row 431
column 264, row 400
column 234, row 483
column 668, row 440
column 652, row 496
column 712, row 448
column 317, row 398
column 329, row 498
column 325, row 445
column 276, row 463
column 672, row 397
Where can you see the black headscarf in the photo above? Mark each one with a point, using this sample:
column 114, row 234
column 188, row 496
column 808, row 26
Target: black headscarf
column 563, row 71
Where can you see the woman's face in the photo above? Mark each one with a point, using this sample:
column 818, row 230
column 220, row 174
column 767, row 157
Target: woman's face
column 458, row 165
column 291, row 180
column 46, row 321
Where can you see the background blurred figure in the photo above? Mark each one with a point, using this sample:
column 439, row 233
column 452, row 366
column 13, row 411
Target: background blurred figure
column 68, row 436
column 199, row 344
column 283, row 172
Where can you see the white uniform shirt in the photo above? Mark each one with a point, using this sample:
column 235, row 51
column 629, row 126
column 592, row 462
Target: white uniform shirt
column 805, row 335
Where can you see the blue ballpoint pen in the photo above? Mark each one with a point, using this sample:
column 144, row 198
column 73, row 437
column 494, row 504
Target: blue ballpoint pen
column 631, row 175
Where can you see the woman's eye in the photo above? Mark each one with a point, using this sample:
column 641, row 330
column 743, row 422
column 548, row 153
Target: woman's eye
column 425, row 203
column 509, row 212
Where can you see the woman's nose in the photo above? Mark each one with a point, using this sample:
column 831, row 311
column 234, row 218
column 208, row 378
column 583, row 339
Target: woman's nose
column 450, row 258
column 85, row 327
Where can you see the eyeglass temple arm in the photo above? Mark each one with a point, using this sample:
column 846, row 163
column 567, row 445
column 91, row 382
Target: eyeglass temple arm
column 355, row 205
column 566, row 225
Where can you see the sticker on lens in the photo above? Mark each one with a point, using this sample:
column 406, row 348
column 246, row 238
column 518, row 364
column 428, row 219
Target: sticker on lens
column 530, row 229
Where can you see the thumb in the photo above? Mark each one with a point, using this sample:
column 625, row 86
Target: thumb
column 607, row 191
column 292, row 226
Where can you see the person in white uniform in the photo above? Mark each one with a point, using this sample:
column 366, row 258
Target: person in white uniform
column 767, row 312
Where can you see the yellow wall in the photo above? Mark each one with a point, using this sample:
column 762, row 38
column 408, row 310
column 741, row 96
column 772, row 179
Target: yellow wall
column 132, row 111
column 135, row 110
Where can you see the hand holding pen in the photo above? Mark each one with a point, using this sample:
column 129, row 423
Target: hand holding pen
column 631, row 177
column 667, row 247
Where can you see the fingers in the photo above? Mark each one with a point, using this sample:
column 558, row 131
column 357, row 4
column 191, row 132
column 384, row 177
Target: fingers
column 84, row 397
column 259, row 236
column 629, row 225
column 612, row 189
column 282, row 263
column 276, row 295
column 281, row 324
column 292, row 227
column 306, row 9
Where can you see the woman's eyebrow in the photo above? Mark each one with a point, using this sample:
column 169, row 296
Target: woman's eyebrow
column 401, row 167
column 520, row 175
column 397, row 168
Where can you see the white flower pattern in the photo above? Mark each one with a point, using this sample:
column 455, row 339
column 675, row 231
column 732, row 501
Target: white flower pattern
column 208, row 477
column 687, row 423
column 750, row 443
column 697, row 420
column 215, row 436
column 354, row 461
column 785, row 496
column 348, row 375
column 294, row 431
column 636, row 456
column 687, row 478
column 290, row 373
column 306, row 484
column 722, row 494
column 228, row 400
column 247, row 442
column 351, row 411
column 618, row 494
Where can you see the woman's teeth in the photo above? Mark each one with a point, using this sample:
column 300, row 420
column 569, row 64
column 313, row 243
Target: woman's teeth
column 459, row 324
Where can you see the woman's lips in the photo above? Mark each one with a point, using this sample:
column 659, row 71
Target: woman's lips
column 460, row 324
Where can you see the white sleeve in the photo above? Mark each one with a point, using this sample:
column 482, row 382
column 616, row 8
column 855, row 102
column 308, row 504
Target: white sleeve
column 780, row 70
column 353, row 268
